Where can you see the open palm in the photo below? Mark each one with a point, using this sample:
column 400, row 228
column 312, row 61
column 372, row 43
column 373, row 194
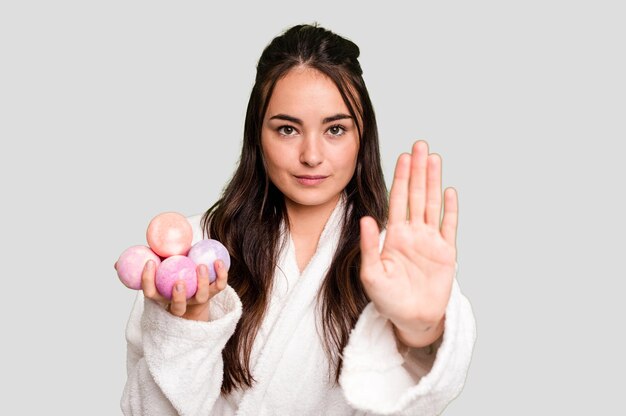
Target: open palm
column 410, row 280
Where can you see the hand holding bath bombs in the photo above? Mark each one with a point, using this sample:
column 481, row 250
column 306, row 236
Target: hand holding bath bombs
column 169, row 236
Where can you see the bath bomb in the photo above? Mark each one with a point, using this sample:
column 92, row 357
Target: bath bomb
column 173, row 269
column 169, row 234
column 207, row 251
column 131, row 263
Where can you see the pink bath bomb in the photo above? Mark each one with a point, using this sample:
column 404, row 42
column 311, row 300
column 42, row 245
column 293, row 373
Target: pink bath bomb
column 169, row 234
column 173, row 269
column 131, row 263
column 207, row 251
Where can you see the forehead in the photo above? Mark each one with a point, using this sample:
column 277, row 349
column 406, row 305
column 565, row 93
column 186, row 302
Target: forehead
column 306, row 90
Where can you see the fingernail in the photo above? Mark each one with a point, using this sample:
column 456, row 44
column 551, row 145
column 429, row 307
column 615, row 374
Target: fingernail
column 149, row 264
column 201, row 269
column 179, row 287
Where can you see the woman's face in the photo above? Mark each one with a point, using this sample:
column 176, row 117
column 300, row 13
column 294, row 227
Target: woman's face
column 309, row 140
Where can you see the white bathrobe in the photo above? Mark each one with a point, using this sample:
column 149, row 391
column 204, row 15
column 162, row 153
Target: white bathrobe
column 175, row 365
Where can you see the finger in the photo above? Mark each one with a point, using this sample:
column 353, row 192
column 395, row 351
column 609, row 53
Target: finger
column 221, row 279
column 398, row 201
column 147, row 281
column 178, row 306
column 202, row 293
column 433, row 194
column 371, row 265
column 450, row 216
column 115, row 266
column 417, row 184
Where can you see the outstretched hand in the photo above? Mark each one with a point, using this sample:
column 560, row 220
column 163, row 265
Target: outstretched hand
column 410, row 280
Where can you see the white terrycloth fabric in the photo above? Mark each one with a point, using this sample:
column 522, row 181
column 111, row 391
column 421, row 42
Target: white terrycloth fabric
column 175, row 365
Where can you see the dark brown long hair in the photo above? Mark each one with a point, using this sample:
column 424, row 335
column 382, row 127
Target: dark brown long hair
column 247, row 217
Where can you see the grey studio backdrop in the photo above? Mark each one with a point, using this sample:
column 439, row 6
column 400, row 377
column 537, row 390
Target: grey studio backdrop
column 112, row 112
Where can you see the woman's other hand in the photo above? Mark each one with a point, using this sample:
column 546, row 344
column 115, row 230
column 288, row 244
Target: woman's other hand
column 411, row 279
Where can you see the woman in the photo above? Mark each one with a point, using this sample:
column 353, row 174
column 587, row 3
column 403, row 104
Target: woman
column 323, row 313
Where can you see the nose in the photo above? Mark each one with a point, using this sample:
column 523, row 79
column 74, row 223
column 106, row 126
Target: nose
column 311, row 151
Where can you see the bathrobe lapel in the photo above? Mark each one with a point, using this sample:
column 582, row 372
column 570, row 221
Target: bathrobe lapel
column 284, row 317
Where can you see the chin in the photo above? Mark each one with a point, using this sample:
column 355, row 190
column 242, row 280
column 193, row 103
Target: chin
column 311, row 198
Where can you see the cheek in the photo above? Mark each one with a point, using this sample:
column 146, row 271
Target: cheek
column 275, row 162
column 349, row 159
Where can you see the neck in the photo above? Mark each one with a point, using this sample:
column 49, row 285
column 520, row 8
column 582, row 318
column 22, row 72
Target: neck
column 309, row 220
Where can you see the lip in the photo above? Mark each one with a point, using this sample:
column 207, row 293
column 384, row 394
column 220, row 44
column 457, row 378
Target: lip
column 311, row 176
column 310, row 179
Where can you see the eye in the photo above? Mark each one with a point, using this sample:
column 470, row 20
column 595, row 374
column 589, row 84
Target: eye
column 286, row 130
column 337, row 130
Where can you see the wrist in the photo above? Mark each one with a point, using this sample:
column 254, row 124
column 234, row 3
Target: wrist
column 421, row 335
column 194, row 312
column 197, row 312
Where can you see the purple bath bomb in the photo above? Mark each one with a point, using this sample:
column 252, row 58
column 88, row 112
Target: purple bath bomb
column 206, row 252
column 176, row 268
column 131, row 263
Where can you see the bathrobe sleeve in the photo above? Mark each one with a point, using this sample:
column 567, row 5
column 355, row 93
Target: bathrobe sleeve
column 380, row 377
column 174, row 365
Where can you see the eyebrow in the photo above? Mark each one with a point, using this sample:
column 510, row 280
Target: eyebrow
column 298, row 121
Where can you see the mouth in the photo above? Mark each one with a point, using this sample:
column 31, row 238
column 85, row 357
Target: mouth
column 310, row 179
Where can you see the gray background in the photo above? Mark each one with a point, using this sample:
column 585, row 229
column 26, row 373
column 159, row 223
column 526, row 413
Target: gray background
column 112, row 112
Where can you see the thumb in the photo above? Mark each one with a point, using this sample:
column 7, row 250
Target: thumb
column 371, row 265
